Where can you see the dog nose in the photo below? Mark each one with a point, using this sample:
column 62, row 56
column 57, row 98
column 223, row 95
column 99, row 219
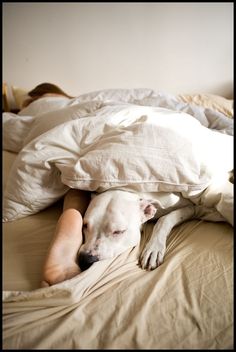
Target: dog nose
column 85, row 260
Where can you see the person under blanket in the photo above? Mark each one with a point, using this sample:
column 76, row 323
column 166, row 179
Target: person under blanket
column 44, row 90
column 60, row 263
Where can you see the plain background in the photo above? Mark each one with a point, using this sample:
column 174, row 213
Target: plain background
column 173, row 47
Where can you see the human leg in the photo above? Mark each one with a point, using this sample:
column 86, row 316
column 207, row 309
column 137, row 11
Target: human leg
column 60, row 263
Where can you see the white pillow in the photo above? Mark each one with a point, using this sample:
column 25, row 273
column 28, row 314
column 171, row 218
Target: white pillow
column 135, row 148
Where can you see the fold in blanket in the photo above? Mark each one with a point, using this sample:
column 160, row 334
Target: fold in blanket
column 115, row 304
column 187, row 302
column 140, row 149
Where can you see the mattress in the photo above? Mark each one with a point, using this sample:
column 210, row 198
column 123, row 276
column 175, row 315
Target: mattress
column 186, row 303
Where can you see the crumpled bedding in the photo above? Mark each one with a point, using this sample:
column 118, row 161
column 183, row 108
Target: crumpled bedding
column 141, row 145
column 29, row 126
column 186, row 303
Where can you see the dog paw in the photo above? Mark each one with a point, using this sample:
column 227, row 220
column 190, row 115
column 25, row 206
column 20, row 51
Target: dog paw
column 152, row 256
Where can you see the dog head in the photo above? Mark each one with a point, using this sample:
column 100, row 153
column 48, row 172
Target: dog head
column 112, row 224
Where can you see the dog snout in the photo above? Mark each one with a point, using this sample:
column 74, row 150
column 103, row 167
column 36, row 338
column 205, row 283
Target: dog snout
column 85, row 260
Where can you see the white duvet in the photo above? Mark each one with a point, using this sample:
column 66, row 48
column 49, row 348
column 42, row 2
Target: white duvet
column 136, row 140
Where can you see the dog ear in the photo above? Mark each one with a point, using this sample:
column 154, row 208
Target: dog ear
column 147, row 210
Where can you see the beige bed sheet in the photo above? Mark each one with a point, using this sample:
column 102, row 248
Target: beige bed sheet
column 186, row 303
column 25, row 242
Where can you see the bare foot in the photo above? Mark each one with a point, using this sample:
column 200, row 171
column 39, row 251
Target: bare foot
column 60, row 263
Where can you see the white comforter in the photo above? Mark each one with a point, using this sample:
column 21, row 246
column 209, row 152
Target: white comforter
column 136, row 140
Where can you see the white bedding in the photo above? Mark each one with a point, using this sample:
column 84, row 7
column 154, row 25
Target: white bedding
column 97, row 145
column 40, row 115
column 186, row 303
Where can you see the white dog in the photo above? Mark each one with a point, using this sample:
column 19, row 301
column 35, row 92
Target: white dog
column 113, row 221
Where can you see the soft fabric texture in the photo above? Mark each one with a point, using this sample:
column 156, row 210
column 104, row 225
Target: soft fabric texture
column 48, row 120
column 30, row 127
column 115, row 304
column 212, row 118
column 44, row 104
column 186, row 303
column 140, row 148
column 211, row 101
column 15, row 130
column 209, row 117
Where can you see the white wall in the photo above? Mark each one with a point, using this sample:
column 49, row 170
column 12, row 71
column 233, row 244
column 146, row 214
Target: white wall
column 176, row 47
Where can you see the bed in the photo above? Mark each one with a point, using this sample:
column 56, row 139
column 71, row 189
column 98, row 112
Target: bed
column 186, row 303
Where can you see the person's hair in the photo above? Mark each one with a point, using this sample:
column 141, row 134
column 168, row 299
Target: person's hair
column 45, row 88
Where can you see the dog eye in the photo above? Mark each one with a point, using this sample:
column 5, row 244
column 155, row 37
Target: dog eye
column 118, row 232
column 85, row 226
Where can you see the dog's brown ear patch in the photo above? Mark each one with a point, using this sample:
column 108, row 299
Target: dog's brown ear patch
column 147, row 209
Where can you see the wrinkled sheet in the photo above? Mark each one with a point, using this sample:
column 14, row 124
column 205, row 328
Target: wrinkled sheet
column 211, row 115
column 143, row 148
column 186, row 303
